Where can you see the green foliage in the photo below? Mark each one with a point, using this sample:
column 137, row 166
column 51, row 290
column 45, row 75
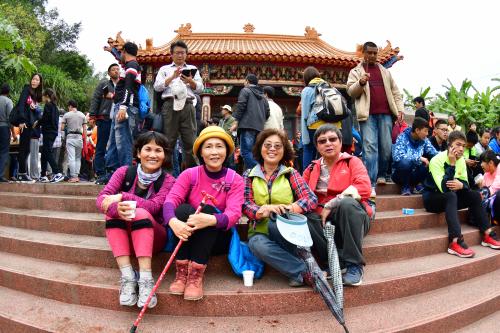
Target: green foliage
column 469, row 105
column 409, row 97
column 73, row 63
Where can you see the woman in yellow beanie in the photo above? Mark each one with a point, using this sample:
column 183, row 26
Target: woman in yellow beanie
column 208, row 232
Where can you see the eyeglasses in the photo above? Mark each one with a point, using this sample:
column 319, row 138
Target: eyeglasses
column 276, row 146
column 331, row 139
column 180, row 52
column 443, row 129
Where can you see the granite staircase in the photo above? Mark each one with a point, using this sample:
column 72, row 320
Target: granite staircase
column 57, row 274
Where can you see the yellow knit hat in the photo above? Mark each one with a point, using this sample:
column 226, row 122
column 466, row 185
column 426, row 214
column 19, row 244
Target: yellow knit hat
column 213, row 132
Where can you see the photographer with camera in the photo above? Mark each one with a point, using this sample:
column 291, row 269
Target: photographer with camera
column 178, row 83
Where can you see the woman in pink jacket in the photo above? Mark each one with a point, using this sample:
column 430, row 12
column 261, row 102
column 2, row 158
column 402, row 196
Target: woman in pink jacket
column 205, row 233
column 140, row 232
column 491, row 180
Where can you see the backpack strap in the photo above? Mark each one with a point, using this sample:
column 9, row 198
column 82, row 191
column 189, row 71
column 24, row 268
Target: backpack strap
column 159, row 182
column 129, row 178
column 229, row 179
column 193, row 174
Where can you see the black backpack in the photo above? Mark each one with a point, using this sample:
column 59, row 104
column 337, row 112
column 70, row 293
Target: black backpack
column 329, row 104
column 130, row 177
column 14, row 116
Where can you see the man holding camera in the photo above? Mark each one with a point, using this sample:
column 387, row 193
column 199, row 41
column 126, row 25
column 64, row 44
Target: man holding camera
column 178, row 83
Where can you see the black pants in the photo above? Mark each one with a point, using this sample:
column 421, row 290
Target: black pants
column 48, row 154
column 24, row 149
column 451, row 202
column 352, row 224
column 203, row 242
column 495, row 210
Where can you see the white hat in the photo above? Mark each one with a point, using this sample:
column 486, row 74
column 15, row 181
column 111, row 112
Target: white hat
column 179, row 91
column 228, row 108
column 293, row 227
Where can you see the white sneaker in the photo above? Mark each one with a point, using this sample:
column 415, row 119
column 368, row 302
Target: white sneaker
column 373, row 195
column 145, row 288
column 44, row 179
column 128, row 291
column 57, row 178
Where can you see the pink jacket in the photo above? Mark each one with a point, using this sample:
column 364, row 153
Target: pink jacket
column 153, row 204
column 492, row 181
column 228, row 202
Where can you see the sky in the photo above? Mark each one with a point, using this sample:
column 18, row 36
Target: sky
column 439, row 40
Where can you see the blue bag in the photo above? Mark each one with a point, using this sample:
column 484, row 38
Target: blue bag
column 242, row 259
column 144, row 101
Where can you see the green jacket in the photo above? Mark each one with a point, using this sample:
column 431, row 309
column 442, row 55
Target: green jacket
column 227, row 123
column 440, row 171
column 281, row 193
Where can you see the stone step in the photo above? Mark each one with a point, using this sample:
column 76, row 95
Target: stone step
column 78, row 189
column 92, row 224
column 442, row 310
column 490, row 323
column 225, row 294
column 94, row 251
column 392, row 202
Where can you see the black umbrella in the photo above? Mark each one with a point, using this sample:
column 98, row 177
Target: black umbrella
column 321, row 285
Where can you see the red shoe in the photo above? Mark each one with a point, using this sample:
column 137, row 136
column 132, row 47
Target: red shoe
column 490, row 240
column 460, row 250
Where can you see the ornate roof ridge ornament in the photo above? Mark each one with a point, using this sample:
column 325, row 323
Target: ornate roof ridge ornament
column 249, row 28
column 184, row 30
column 311, row 33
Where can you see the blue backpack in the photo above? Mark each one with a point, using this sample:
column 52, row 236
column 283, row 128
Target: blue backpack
column 144, row 101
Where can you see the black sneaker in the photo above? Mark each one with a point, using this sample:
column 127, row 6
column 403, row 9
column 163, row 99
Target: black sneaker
column 23, row 178
column 3, row 180
column 102, row 180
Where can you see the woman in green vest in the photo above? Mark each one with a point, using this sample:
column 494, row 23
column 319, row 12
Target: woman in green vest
column 274, row 187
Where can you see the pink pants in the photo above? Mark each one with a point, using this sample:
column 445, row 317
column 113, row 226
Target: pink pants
column 142, row 236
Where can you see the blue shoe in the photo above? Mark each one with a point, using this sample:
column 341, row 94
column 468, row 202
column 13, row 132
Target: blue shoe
column 353, row 275
column 418, row 189
column 405, row 190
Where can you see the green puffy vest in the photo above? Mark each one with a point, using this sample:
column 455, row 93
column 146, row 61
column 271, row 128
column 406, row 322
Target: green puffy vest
column 281, row 193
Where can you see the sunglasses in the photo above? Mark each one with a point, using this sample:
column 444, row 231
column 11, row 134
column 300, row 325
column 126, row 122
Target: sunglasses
column 331, row 139
column 276, row 146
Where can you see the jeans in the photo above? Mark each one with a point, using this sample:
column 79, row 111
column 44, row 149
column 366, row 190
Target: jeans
column 4, row 148
column 34, row 154
column 409, row 173
column 74, row 144
column 120, row 139
column 103, row 129
column 377, row 144
column 277, row 252
column 309, row 150
column 451, row 202
column 48, row 155
column 247, row 141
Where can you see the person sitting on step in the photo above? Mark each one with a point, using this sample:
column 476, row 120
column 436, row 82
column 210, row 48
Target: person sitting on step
column 446, row 189
column 273, row 187
column 410, row 157
column 491, row 181
column 207, row 233
column 343, row 187
column 137, row 231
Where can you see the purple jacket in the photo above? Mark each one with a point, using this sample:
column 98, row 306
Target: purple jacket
column 153, row 204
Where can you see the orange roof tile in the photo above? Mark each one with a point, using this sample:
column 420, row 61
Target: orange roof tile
column 249, row 46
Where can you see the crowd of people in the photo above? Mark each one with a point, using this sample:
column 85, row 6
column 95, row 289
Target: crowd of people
column 328, row 171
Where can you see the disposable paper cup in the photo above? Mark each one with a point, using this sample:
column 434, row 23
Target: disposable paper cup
column 248, row 278
column 131, row 204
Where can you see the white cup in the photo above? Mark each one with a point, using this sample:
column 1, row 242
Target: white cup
column 248, row 278
column 133, row 205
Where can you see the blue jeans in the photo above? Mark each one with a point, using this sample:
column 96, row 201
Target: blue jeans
column 309, row 150
column 4, row 148
column 408, row 173
column 103, row 130
column 247, row 141
column 377, row 144
column 121, row 139
column 278, row 253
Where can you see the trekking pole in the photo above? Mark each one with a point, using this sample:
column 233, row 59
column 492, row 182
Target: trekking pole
column 133, row 329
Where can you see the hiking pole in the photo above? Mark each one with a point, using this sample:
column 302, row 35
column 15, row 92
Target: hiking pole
column 133, row 329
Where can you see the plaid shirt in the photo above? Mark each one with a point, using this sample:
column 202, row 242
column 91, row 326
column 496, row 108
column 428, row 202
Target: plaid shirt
column 307, row 200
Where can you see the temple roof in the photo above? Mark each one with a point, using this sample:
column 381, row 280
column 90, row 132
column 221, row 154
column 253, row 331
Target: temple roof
column 249, row 46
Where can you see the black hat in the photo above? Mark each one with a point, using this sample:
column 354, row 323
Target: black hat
column 130, row 48
column 252, row 79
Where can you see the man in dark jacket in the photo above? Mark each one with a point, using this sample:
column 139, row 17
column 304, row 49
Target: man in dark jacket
column 100, row 109
column 251, row 113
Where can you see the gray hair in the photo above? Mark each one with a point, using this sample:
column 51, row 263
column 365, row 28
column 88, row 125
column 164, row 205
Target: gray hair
column 325, row 129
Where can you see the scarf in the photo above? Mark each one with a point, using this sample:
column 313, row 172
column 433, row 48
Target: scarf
column 147, row 178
